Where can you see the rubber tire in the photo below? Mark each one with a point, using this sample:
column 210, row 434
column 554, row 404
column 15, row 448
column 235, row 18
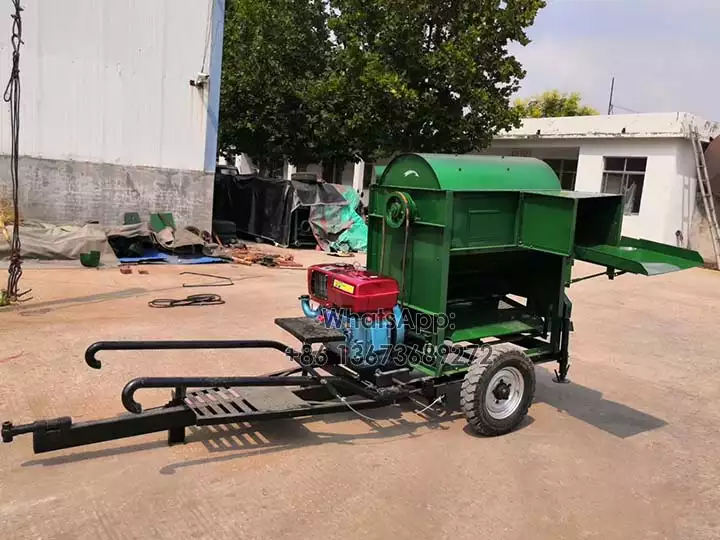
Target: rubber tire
column 475, row 387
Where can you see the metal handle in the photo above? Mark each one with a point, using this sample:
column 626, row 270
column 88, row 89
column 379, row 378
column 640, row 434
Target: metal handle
column 9, row 431
column 93, row 349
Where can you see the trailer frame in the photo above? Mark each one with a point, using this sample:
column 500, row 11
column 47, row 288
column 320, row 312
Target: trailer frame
column 311, row 387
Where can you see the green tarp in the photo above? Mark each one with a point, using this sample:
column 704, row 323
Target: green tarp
column 340, row 228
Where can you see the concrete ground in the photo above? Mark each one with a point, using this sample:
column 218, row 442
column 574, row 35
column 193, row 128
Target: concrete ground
column 628, row 450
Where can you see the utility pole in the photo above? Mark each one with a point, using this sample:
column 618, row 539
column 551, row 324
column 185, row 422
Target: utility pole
column 612, row 92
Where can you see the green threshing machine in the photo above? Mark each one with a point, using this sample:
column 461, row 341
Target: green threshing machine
column 468, row 261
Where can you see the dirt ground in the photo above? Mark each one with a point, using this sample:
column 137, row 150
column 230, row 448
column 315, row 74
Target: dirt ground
column 628, row 450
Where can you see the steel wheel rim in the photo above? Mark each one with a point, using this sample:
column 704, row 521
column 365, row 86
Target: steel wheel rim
column 498, row 408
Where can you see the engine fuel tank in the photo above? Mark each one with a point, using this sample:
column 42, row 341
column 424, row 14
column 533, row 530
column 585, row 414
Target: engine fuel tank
column 343, row 286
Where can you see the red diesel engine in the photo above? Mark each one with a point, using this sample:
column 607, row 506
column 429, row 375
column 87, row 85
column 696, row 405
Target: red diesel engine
column 344, row 286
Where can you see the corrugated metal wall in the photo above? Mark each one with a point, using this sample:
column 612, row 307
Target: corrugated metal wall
column 107, row 81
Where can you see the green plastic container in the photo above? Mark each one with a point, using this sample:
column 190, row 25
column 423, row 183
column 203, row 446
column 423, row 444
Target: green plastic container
column 91, row 259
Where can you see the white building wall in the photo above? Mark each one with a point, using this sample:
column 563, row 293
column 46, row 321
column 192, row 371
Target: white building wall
column 626, row 126
column 668, row 192
column 244, row 164
column 109, row 121
column 541, row 149
column 683, row 199
column 108, row 81
column 346, row 176
column 697, row 233
column 660, row 213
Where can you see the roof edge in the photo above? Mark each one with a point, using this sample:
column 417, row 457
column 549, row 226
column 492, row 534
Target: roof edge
column 632, row 126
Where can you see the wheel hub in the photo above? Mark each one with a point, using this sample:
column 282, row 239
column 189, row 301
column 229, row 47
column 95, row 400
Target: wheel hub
column 505, row 393
column 502, row 390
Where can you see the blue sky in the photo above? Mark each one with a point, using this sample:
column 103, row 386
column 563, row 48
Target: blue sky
column 665, row 54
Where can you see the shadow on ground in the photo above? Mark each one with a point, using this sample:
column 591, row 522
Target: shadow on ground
column 224, row 441
column 40, row 308
column 591, row 407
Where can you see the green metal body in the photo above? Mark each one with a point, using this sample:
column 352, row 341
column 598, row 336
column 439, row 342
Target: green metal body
column 487, row 243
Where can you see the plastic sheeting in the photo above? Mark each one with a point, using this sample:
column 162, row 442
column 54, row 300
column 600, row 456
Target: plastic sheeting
column 340, row 228
column 182, row 241
column 60, row 242
column 43, row 241
column 264, row 207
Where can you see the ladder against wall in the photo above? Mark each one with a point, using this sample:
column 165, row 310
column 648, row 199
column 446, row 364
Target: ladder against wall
column 703, row 180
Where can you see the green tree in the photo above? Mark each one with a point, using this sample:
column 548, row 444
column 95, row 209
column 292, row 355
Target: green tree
column 552, row 104
column 423, row 75
column 273, row 53
column 341, row 80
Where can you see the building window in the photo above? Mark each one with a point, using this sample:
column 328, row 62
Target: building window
column 566, row 170
column 625, row 176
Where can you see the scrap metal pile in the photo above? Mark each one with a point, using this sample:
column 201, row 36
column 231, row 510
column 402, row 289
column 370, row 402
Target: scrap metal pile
column 249, row 256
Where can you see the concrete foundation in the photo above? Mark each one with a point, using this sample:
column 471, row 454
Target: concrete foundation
column 61, row 192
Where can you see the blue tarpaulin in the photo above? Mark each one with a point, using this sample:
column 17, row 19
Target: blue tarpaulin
column 149, row 257
column 159, row 257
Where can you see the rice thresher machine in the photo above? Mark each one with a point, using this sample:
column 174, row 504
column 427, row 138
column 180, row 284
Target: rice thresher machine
column 469, row 259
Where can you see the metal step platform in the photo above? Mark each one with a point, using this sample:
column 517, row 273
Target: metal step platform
column 309, row 331
column 214, row 400
column 223, row 405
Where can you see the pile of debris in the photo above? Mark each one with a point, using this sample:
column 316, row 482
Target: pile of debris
column 249, row 255
column 7, row 216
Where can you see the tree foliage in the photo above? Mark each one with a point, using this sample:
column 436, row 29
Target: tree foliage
column 273, row 52
column 427, row 75
column 350, row 79
column 552, row 104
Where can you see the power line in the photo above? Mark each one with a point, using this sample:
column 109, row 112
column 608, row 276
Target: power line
column 612, row 106
column 626, row 109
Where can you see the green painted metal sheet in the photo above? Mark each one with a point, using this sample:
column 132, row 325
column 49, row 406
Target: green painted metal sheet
column 547, row 223
column 485, row 220
column 432, row 371
column 502, row 328
column 415, row 261
column 473, row 320
column 161, row 220
column 578, row 195
column 469, row 173
column 640, row 257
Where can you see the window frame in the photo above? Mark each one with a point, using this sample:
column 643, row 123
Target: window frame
column 567, row 166
column 625, row 177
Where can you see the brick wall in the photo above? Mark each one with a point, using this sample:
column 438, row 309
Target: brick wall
column 63, row 192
